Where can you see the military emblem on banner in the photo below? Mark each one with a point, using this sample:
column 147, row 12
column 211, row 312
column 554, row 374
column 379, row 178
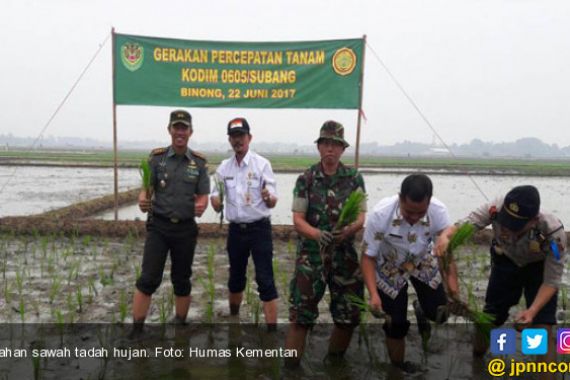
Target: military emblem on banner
column 344, row 61
column 132, row 55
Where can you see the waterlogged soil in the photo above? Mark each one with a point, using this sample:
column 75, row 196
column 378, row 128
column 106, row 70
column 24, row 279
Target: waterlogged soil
column 90, row 280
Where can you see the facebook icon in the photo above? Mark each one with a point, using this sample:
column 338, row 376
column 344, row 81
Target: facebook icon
column 503, row 341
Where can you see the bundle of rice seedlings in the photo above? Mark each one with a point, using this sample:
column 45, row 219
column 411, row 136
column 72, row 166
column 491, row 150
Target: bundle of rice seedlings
column 144, row 170
column 364, row 307
column 351, row 209
column 463, row 234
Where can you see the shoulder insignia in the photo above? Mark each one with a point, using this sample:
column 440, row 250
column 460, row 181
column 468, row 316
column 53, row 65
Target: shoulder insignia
column 199, row 155
column 158, row 151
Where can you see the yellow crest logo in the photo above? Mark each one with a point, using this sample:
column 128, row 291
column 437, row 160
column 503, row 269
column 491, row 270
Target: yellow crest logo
column 132, row 55
column 344, row 61
column 514, row 207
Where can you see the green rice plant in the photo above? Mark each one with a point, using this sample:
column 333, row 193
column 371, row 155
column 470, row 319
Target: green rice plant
column 145, row 173
column 256, row 310
column 59, row 319
column 463, row 234
column 365, row 308
column 171, row 299
column 351, row 209
column 73, row 272
column 22, row 309
column 79, row 299
column 221, row 186
column 162, row 310
column 290, row 249
column 44, row 246
column 70, row 302
column 54, row 288
column 137, row 270
column 92, row 289
column 123, row 306
column 19, row 281
column 105, row 279
column 86, row 241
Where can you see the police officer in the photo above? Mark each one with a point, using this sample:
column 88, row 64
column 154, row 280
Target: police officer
column 318, row 197
column 250, row 193
column 180, row 187
column 527, row 253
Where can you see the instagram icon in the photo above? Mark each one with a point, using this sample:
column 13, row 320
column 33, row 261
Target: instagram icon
column 563, row 341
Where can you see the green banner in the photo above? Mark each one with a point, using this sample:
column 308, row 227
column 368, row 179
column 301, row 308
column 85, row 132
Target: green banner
column 169, row 72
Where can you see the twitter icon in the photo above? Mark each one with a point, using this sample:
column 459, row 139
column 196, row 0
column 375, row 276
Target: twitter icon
column 534, row 341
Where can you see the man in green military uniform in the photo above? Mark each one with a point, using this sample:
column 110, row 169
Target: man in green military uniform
column 179, row 192
column 319, row 195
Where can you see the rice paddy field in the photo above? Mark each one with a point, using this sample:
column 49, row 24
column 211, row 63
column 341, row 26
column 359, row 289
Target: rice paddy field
column 69, row 284
column 86, row 281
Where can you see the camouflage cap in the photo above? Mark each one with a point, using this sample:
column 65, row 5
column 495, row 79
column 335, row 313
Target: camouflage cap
column 332, row 130
column 180, row 117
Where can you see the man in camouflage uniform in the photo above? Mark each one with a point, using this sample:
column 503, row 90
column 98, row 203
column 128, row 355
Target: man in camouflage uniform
column 179, row 192
column 325, row 256
column 527, row 252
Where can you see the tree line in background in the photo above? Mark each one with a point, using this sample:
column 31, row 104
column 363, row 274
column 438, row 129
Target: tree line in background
column 529, row 147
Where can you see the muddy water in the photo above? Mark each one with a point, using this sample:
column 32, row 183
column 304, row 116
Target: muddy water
column 42, row 277
column 33, row 190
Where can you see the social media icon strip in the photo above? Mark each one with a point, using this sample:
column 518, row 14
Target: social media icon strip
column 534, row 341
column 563, row 341
column 503, row 341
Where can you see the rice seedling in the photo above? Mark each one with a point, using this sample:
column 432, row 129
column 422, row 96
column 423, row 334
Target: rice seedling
column 86, row 241
column 220, row 185
column 137, row 270
column 79, row 299
column 19, row 281
column 70, row 302
column 92, row 289
column 123, row 306
column 73, row 272
column 365, row 307
column 162, row 310
column 463, row 234
column 145, row 173
column 105, row 279
column 54, row 288
column 255, row 310
column 59, row 319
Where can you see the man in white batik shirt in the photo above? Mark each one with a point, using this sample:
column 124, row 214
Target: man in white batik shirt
column 398, row 240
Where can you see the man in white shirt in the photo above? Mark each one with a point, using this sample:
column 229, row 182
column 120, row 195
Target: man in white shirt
column 397, row 246
column 250, row 192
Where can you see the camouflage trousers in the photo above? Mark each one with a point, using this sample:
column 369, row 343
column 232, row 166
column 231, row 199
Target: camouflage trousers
column 311, row 278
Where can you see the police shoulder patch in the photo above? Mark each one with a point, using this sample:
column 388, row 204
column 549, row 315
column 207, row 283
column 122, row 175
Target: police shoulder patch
column 158, row 151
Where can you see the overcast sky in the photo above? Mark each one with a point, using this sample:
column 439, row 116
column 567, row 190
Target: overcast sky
column 496, row 70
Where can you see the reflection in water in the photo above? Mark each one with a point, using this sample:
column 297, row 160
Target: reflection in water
column 457, row 192
column 38, row 189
